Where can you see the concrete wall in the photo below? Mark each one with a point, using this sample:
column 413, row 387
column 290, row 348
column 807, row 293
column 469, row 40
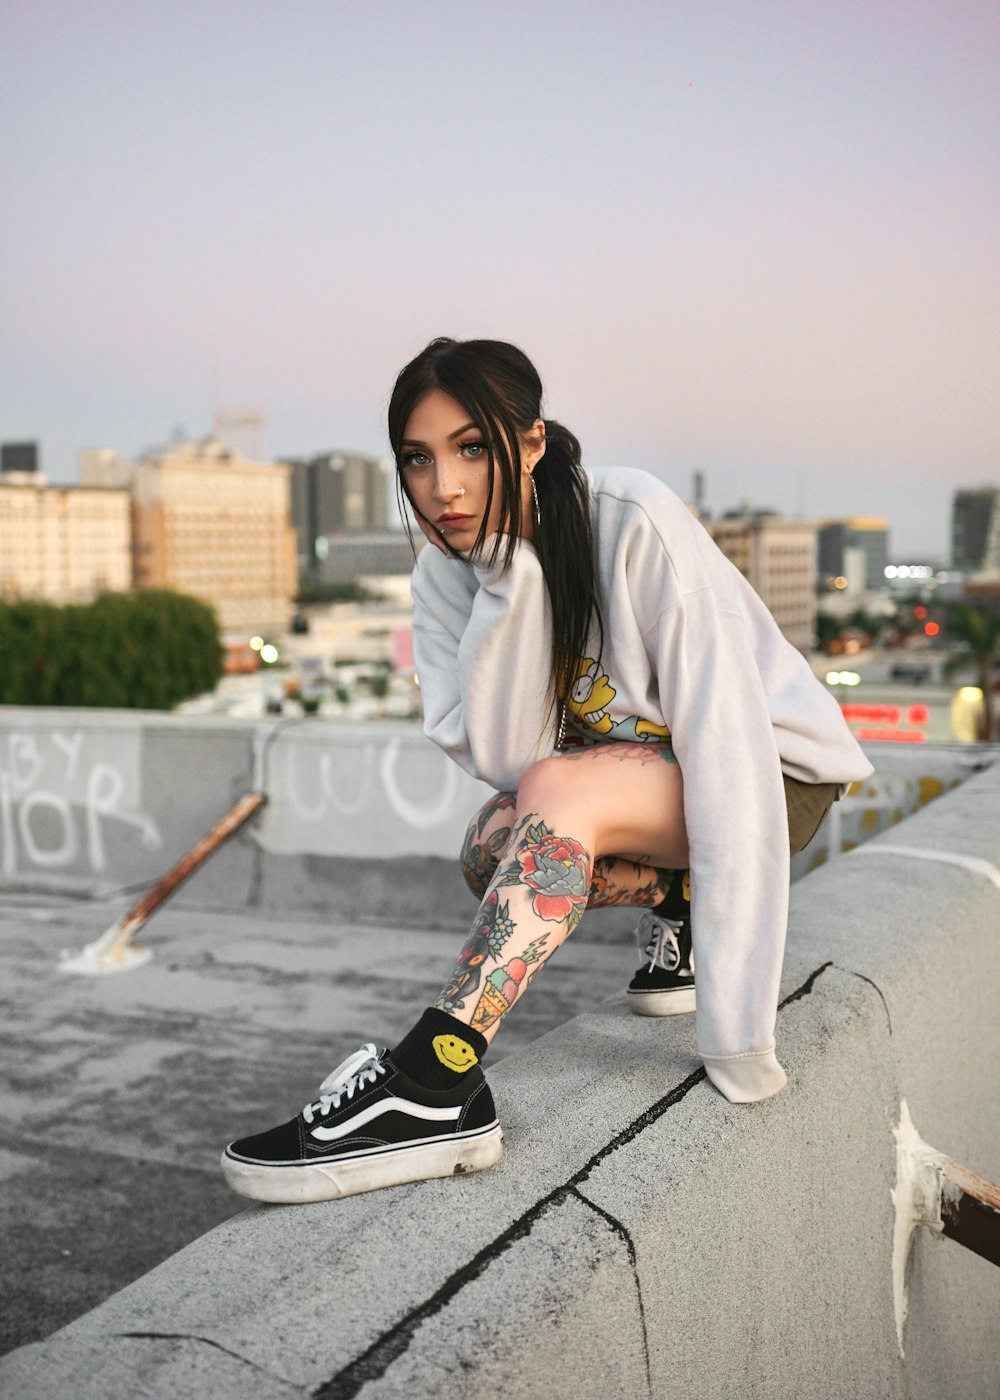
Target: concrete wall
column 641, row 1235
column 92, row 802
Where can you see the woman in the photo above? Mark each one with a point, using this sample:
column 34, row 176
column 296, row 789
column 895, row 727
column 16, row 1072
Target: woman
column 584, row 647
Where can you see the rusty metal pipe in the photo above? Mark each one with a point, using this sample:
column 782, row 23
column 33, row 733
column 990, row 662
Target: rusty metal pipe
column 115, row 950
column 970, row 1210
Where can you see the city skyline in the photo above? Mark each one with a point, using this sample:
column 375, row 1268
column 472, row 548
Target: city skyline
column 756, row 243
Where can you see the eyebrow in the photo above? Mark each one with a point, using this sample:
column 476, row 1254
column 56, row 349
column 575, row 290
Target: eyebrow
column 416, row 442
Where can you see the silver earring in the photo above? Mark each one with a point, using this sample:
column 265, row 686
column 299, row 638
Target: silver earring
column 460, row 491
column 534, row 492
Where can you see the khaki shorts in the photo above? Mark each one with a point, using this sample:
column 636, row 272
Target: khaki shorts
column 808, row 804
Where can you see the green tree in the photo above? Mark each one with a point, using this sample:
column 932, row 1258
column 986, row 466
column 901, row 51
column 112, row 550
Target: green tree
column 146, row 650
column 978, row 631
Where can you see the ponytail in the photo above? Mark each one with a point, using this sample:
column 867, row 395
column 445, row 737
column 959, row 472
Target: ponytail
column 564, row 541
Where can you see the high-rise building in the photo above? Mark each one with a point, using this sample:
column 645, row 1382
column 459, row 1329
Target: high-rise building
column 347, row 557
column 975, row 530
column 18, row 457
column 209, row 522
column 337, row 493
column 865, row 533
column 63, row 543
column 778, row 559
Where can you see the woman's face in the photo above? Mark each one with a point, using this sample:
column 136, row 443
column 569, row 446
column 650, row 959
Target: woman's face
column 446, row 468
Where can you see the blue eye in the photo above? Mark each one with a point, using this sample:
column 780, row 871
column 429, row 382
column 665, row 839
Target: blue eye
column 415, row 459
column 474, row 449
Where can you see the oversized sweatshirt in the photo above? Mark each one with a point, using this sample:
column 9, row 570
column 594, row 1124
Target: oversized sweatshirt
column 690, row 655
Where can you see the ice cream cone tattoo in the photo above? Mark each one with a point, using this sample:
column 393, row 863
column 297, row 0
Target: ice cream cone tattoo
column 504, row 983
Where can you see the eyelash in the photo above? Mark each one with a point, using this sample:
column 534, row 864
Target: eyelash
column 410, row 458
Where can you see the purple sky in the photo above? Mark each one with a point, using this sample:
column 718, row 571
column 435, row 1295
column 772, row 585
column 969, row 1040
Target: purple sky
column 759, row 238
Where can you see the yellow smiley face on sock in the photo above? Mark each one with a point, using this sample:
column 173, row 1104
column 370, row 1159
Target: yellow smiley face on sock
column 454, row 1053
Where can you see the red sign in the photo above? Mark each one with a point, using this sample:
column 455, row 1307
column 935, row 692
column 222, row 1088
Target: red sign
column 878, row 714
column 884, row 723
column 897, row 736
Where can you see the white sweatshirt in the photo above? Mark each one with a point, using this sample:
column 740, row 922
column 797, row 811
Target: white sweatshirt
column 690, row 651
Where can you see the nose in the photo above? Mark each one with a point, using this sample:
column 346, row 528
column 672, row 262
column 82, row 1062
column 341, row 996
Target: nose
column 447, row 483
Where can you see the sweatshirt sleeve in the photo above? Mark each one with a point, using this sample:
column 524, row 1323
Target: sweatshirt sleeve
column 713, row 699
column 482, row 645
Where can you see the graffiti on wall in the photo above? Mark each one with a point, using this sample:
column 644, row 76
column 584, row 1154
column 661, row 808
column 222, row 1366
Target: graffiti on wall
column 386, row 794
column 56, row 802
column 318, row 788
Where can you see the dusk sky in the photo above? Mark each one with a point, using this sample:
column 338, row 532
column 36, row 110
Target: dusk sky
column 758, row 238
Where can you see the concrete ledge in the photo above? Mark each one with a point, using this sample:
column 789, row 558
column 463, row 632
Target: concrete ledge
column 641, row 1235
column 96, row 802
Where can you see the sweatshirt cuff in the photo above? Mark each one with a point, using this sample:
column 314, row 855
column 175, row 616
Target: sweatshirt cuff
column 746, row 1078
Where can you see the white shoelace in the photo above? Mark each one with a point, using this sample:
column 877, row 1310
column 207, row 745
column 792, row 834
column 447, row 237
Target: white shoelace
column 657, row 939
column 363, row 1067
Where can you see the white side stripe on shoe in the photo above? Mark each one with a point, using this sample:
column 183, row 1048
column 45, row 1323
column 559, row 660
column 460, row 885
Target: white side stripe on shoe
column 390, row 1105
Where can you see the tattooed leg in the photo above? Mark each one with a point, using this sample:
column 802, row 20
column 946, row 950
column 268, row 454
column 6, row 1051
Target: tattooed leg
column 612, row 801
column 618, row 880
column 486, row 840
column 534, row 901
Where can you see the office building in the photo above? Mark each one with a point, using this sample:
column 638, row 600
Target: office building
column 62, row 543
column 210, row 522
column 337, row 493
column 18, row 457
column 346, row 557
column 868, row 535
column 778, row 559
column 975, row 530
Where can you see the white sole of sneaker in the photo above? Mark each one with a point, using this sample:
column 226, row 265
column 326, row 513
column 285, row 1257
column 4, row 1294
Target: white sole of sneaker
column 676, row 1003
column 328, row 1181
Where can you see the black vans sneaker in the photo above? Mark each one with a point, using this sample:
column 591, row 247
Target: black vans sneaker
column 370, row 1127
column 664, row 985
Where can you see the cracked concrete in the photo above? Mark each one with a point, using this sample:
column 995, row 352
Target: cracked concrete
column 640, row 1235
column 148, row 1073
column 632, row 1257
column 387, row 1349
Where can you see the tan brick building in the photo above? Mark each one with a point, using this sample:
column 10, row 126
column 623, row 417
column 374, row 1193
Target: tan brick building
column 210, row 522
column 778, row 559
column 63, row 543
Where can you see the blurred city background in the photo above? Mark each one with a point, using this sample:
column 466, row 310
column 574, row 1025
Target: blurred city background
column 751, row 249
column 305, row 568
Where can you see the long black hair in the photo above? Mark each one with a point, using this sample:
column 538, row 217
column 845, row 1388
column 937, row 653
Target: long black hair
column 501, row 391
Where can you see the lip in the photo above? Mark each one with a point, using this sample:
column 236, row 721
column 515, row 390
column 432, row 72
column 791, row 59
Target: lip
column 453, row 519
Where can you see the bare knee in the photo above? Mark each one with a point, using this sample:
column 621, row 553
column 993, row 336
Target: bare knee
column 547, row 782
column 612, row 802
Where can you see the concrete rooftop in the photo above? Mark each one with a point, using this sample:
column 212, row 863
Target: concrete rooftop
column 121, row 1091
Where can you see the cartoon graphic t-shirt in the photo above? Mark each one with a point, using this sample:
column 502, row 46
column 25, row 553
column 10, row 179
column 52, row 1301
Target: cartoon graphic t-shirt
column 589, row 718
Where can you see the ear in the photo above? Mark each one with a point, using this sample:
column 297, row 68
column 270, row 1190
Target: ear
column 533, row 449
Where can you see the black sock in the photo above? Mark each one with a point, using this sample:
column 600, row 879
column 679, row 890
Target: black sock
column 439, row 1051
column 675, row 904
